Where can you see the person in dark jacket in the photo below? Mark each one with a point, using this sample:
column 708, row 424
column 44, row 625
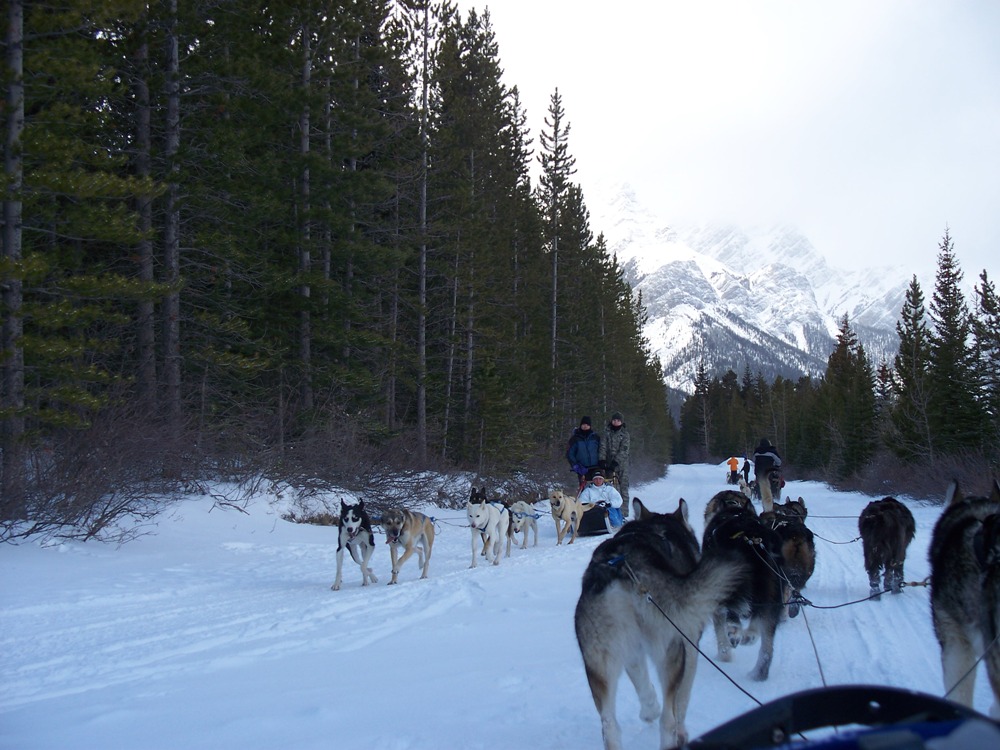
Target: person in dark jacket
column 746, row 469
column 584, row 450
column 614, row 454
column 766, row 461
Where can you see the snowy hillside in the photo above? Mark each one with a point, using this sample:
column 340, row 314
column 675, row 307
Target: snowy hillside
column 220, row 631
column 735, row 296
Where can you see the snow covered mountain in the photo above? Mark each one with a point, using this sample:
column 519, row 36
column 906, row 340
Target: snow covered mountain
column 737, row 297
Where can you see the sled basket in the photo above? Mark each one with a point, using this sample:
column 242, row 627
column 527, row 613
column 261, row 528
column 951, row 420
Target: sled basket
column 594, row 522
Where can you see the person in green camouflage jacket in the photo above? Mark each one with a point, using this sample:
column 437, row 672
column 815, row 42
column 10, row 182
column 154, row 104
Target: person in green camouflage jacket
column 614, row 455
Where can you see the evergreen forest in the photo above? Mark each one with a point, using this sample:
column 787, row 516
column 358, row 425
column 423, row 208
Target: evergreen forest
column 316, row 242
column 297, row 239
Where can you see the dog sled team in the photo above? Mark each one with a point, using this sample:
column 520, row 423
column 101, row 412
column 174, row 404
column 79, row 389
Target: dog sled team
column 650, row 590
column 745, row 576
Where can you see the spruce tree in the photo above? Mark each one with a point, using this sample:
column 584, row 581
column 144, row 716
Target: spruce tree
column 847, row 398
column 954, row 409
column 910, row 436
column 986, row 329
column 558, row 166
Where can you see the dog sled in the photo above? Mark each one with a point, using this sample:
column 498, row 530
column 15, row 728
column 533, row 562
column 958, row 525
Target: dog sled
column 596, row 521
column 868, row 716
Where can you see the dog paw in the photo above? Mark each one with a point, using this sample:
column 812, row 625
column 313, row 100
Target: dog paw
column 650, row 713
column 335, row 587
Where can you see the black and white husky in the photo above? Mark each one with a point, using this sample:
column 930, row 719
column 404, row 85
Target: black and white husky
column 655, row 557
column 965, row 591
column 355, row 535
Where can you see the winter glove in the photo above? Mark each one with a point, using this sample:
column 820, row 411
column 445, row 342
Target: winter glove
column 613, row 466
column 579, row 469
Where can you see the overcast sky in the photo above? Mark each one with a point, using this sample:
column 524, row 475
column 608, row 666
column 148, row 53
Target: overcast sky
column 871, row 125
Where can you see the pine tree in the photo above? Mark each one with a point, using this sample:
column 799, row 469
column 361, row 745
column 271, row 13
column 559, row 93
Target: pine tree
column 847, row 397
column 911, row 435
column 986, row 329
column 954, row 408
column 554, row 185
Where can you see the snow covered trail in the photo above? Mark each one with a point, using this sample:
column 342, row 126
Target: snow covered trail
column 220, row 630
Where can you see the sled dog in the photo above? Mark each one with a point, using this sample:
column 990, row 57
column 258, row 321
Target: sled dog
column 736, row 530
column 522, row 520
column 412, row 531
column 617, row 628
column 887, row 528
column 356, row 536
column 965, row 591
column 727, row 499
column 798, row 547
column 488, row 522
column 745, row 488
column 566, row 512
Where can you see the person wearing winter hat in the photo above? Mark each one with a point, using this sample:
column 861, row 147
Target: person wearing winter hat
column 600, row 492
column 583, row 450
column 614, row 454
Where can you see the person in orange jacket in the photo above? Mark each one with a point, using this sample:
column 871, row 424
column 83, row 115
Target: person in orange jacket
column 734, row 465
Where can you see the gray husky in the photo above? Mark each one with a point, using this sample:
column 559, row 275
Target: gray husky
column 651, row 570
column 965, row 591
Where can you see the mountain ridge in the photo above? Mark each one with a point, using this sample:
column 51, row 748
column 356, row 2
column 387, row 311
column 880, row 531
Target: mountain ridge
column 710, row 299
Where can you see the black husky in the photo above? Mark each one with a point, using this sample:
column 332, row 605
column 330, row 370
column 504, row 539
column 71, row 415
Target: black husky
column 887, row 528
column 735, row 529
column 798, row 547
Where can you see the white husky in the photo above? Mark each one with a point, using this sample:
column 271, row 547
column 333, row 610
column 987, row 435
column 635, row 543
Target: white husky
column 490, row 523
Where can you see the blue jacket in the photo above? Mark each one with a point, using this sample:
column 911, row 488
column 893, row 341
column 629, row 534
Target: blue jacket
column 584, row 448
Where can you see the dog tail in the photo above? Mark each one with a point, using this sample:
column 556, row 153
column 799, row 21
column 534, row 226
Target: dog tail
column 716, row 578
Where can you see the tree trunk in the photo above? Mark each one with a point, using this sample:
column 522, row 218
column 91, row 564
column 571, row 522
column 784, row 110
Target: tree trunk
column 305, row 259
column 11, row 351
column 422, row 273
column 146, row 322
column 171, row 234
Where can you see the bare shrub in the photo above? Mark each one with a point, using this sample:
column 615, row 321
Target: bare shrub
column 105, row 482
column 922, row 480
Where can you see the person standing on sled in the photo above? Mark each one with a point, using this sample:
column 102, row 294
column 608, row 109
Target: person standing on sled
column 614, row 455
column 598, row 492
column 765, row 462
column 583, row 450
